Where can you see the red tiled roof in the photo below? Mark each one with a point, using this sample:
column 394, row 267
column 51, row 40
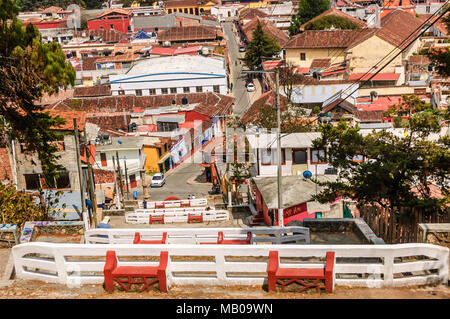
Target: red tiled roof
column 377, row 77
column 273, row 64
column 338, row 13
column 325, row 38
column 382, row 103
column 89, row 91
column 303, row 70
column 189, row 33
column 209, row 103
column 251, row 13
column 280, row 37
column 114, row 11
column 320, row 63
column 68, row 116
column 162, row 51
column 104, row 34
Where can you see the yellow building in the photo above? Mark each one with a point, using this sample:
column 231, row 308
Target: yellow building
column 157, row 155
column 361, row 49
column 197, row 7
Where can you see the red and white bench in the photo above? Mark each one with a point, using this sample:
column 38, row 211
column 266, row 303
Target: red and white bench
column 138, row 240
column 147, row 275
column 276, row 274
column 221, row 241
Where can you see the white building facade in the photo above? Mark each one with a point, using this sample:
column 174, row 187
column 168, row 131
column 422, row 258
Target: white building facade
column 182, row 74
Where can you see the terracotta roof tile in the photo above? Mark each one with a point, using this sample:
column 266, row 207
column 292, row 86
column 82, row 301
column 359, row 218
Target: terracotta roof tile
column 104, row 34
column 251, row 13
column 338, row 13
column 96, row 90
column 280, row 37
column 189, row 33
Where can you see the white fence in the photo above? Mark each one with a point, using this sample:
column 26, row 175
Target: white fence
column 274, row 235
column 177, row 216
column 356, row 265
column 198, row 202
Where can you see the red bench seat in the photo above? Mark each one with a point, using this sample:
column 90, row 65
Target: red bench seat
column 147, row 275
column 276, row 274
column 221, row 241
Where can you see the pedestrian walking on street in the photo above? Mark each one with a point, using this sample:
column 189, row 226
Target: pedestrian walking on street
column 231, row 87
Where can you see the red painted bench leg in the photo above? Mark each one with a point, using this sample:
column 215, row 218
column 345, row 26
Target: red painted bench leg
column 110, row 265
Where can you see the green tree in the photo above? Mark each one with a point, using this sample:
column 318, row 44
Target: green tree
column 29, row 5
column 17, row 207
column 30, row 68
column 398, row 168
column 441, row 57
column 261, row 45
column 307, row 9
column 332, row 21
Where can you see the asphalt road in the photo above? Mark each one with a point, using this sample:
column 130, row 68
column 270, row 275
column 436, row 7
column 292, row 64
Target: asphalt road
column 238, row 79
column 180, row 183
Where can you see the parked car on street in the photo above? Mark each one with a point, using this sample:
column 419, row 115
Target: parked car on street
column 242, row 48
column 250, row 87
column 158, row 180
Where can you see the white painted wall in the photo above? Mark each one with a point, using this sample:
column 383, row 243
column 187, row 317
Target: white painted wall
column 271, row 170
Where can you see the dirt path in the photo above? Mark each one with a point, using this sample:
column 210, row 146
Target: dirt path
column 28, row 289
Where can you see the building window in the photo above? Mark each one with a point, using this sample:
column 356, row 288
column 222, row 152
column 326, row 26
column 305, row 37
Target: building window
column 152, row 91
column 32, row 181
column 173, row 90
column 318, row 156
column 121, row 92
column 138, row 92
column 166, row 126
column 159, row 152
column 302, row 56
column 216, row 89
column 186, row 90
column 164, row 91
column 103, row 159
column 63, row 181
column 299, row 156
column 199, row 89
column 269, row 157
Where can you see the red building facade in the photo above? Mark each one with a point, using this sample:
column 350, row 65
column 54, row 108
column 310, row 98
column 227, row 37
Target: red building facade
column 118, row 20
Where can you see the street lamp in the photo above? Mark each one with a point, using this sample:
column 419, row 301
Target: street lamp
column 279, row 171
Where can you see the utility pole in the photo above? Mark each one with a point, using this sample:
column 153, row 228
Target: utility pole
column 279, row 170
column 120, row 175
column 280, row 173
column 91, row 183
column 80, row 174
column 116, row 184
column 126, row 177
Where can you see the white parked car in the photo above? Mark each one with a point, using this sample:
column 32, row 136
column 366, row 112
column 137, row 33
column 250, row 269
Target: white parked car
column 158, row 180
column 250, row 87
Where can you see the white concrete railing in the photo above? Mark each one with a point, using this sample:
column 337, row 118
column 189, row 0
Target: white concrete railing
column 198, row 202
column 171, row 210
column 356, row 265
column 177, row 216
column 274, row 235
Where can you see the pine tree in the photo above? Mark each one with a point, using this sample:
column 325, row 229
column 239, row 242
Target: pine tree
column 307, row 9
column 261, row 45
column 29, row 69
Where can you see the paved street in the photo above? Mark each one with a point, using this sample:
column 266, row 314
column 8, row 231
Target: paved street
column 239, row 90
column 180, row 183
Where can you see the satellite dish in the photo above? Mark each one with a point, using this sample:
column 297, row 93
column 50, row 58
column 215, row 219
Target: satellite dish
column 297, row 95
column 307, row 174
column 74, row 19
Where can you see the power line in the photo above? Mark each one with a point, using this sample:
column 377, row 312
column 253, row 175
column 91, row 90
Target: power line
column 418, row 36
